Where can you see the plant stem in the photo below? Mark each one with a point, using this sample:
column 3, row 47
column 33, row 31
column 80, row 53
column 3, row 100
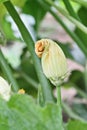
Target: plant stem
column 58, row 95
column 72, row 34
column 58, row 88
column 65, row 106
column 40, row 100
column 81, row 30
column 65, row 14
column 8, row 73
column 70, row 9
column 46, row 88
column 70, row 113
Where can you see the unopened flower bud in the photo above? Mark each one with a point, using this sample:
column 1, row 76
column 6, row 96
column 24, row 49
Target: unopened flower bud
column 5, row 89
column 53, row 60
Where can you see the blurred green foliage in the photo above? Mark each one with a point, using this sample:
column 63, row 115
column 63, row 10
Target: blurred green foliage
column 21, row 112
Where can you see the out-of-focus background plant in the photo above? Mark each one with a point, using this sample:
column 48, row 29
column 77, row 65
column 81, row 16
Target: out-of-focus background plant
column 22, row 23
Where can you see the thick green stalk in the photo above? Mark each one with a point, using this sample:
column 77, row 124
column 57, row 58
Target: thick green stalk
column 30, row 44
column 66, row 108
column 40, row 99
column 71, row 34
column 70, row 9
column 8, row 73
column 58, row 88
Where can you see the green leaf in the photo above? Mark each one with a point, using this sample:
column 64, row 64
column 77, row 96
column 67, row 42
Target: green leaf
column 9, row 33
column 3, row 9
column 83, row 17
column 18, row 3
column 81, row 2
column 21, row 113
column 77, row 125
column 2, row 1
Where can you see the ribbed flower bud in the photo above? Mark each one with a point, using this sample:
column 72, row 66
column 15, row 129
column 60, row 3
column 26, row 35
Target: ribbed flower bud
column 53, row 60
column 5, row 89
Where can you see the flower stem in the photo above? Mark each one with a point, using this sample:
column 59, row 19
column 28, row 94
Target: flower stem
column 58, row 88
column 58, row 96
